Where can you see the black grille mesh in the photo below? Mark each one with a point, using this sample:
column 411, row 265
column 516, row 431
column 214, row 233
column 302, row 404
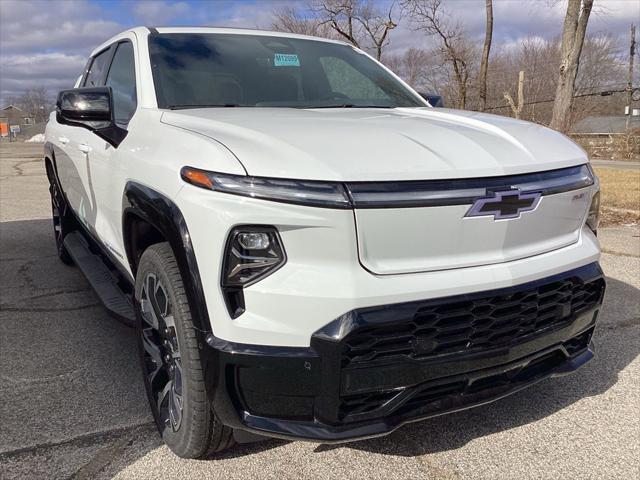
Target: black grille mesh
column 472, row 325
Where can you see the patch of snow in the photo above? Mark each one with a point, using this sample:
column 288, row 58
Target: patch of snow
column 38, row 138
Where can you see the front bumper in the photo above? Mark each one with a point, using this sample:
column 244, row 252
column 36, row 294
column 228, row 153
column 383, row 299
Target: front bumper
column 375, row 369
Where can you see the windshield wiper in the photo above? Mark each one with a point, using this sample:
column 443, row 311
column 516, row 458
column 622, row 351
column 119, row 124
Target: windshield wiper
column 210, row 105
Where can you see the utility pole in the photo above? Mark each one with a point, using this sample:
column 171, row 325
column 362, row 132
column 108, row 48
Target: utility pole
column 632, row 53
column 484, row 65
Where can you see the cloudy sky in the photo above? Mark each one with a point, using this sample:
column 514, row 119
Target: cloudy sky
column 46, row 42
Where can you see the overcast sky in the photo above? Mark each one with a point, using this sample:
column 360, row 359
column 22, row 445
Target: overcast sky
column 46, row 42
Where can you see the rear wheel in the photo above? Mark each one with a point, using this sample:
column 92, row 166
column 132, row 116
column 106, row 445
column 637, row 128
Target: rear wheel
column 58, row 212
column 170, row 357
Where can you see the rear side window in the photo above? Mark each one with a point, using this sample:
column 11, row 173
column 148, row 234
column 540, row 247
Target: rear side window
column 97, row 69
column 122, row 80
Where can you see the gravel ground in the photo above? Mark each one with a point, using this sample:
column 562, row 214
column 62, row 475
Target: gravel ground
column 73, row 406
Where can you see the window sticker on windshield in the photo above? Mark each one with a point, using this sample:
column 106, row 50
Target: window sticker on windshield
column 286, row 60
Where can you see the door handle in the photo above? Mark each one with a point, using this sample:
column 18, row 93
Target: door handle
column 84, row 148
column 63, row 140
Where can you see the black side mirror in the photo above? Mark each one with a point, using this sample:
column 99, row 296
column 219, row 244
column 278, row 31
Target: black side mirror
column 434, row 99
column 90, row 108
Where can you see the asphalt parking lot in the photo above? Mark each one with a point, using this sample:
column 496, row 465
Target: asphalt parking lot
column 72, row 403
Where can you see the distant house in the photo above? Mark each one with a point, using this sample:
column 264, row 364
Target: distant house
column 605, row 137
column 12, row 115
column 609, row 125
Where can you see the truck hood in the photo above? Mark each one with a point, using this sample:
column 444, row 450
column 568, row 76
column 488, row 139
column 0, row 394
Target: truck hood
column 351, row 144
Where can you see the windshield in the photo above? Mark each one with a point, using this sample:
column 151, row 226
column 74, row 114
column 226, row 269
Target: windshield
column 229, row 70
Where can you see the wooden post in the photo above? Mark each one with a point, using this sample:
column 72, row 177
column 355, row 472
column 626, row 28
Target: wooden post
column 517, row 109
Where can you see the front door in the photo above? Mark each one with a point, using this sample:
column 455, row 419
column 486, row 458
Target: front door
column 72, row 162
column 104, row 162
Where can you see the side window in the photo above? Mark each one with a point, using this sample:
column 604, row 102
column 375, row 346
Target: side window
column 345, row 79
column 97, row 69
column 122, row 80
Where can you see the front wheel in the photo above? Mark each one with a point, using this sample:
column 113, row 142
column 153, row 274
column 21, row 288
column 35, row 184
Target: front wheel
column 168, row 347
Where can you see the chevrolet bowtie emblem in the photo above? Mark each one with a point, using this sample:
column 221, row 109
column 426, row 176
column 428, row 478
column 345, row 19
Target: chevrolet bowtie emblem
column 504, row 205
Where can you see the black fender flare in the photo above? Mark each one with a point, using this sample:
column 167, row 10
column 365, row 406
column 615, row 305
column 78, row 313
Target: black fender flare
column 55, row 188
column 50, row 157
column 164, row 215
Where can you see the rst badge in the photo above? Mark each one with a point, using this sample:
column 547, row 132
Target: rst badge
column 504, row 205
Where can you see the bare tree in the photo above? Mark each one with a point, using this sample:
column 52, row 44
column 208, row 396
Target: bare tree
column 340, row 16
column 488, row 33
column 419, row 68
column 35, row 101
column 288, row 19
column 600, row 64
column 602, row 68
column 430, row 16
column 573, row 33
column 376, row 25
column 358, row 22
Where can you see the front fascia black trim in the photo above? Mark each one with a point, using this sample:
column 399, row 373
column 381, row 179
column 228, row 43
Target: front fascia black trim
column 266, row 350
column 316, row 373
column 343, row 325
column 318, row 431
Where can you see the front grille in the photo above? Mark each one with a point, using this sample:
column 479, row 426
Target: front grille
column 471, row 323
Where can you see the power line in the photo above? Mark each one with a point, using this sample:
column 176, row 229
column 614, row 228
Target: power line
column 603, row 93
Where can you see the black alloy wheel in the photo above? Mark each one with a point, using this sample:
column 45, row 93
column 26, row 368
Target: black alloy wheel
column 170, row 354
column 163, row 364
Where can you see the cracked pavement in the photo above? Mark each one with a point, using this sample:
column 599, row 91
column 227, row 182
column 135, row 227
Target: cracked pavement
column 72, row 402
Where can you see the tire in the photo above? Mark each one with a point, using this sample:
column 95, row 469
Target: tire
column 59, row 215
column 170, row 358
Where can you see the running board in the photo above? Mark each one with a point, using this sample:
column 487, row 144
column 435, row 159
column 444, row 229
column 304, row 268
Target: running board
column 99, row 276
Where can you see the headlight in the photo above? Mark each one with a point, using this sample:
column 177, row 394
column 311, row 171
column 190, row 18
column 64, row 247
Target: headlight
column 301, row 192
column 252, row 253
column 593, row 218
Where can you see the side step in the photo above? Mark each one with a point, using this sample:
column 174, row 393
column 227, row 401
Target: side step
column 99, row 276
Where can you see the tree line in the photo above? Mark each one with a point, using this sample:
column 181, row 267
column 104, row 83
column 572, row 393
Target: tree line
column 553, row 82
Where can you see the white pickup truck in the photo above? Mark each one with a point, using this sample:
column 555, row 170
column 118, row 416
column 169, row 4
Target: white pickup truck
column 306, row 247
